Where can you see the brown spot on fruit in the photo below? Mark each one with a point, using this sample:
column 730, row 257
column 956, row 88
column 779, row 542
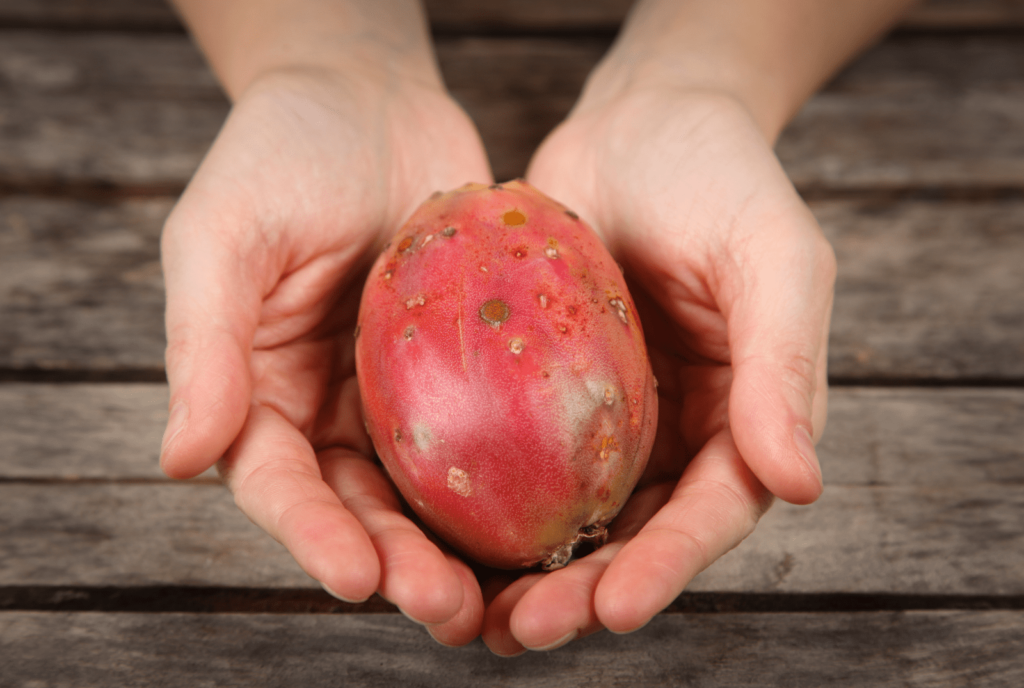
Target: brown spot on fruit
column 408, row 333
column 405, row 244
column 519, row 251
column 398, row 435
column 516, row 345
column 448, row 232
column 495, row 312
column 572, row 214
column 496, row 187
column 387, row 275
column 359, row 328
column 513, row 218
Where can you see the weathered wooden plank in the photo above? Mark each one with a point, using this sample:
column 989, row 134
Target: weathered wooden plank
column 877, row 649
column 470, row 16
column 81, row 284
column 876, row 436
column 81, row 431
column 135, row 535
column 966, row 14
column 915, row 111
column 926, row 290
column 964, row 540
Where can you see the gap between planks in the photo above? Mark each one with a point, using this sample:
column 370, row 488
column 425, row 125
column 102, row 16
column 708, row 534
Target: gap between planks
column 255, row 600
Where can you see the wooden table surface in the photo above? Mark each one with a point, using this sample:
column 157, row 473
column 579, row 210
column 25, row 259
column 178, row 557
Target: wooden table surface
column 909, row 571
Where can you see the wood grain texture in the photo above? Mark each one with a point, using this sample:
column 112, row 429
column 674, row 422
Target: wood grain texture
column 81, row 284
column 876, row 437
column 926, row 290
column 957, row 533
column 919, row 649
column 470, row 16
column 917, row 111
column 172, row 534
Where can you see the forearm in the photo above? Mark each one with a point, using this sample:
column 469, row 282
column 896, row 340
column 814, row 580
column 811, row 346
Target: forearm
column 771, row 55
column 245, row 39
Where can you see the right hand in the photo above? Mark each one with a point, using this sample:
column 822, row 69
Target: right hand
column 264, row 258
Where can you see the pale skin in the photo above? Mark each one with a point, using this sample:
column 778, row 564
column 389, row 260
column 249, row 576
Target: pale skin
column 341, row 126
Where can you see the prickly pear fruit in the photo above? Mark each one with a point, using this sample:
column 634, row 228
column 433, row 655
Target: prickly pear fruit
column 504, row 376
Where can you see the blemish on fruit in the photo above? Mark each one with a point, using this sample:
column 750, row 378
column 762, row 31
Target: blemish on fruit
column 448, row 232
column 609, row 449
column 519, row 251
column 495, row 312
column 551, row 252
column 405, row 244
column 620, row 308
column 355, row 335
column 572, row 214
column 408, row 333
column 426, row 240
column 543, row 300
column 513, row 218
column 496, row 187
column 387, row 275
column 398, row 435
column 516, row 345
column 483, row 268
column 418, row 300
column 458, row 482
column 436, row 195
column 609, row 396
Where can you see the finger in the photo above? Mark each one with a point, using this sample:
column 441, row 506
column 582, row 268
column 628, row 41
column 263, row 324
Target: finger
column 276, row 481
column 496, row 632
column 414, row 574
column 778, row 327
column 716, row 504
column 560, row 607
column 465, row 626
column 212, row 310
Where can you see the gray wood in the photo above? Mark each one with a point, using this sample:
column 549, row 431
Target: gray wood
column 876, row 437
column 180, row 534
column 467, row 15
column 916, row 111
column 81, row 431
column 927, row 290
column 80, row 284
column 964, row 540
column 917, row 649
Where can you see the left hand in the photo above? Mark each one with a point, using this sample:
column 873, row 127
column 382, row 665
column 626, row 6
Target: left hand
column 734, row 282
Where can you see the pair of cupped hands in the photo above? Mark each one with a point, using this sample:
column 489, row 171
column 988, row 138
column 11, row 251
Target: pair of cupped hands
column 265, row 256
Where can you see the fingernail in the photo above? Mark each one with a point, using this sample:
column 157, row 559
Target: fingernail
column 175, row 424
column 509, row 656
column 631, row 630
column 568, row 637
column 805, row 446
column 412, row 618
column 339, row 597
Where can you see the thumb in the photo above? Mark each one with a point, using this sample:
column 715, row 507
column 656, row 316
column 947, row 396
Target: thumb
column 778, row 332
column 211, row 315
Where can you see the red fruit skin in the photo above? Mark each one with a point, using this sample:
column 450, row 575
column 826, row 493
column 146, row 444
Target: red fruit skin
column 504, row 376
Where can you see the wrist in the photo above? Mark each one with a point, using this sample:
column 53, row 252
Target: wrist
column 368, row 40
column 767, row 55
